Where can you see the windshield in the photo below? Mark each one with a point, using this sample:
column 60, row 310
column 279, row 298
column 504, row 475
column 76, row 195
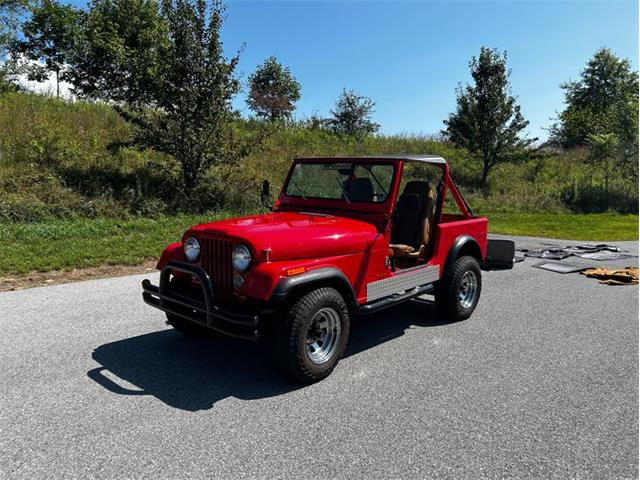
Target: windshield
column 350, row 182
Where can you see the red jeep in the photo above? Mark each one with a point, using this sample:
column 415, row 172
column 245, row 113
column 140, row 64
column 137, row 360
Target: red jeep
column 346, row 236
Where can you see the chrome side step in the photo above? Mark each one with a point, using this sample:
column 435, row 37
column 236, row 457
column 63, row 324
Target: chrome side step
column 395, row 299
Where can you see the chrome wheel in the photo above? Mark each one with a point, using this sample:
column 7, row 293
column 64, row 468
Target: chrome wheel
column 323, row 335
column 468, row 289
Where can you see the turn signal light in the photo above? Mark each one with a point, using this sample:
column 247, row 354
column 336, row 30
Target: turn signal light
column 296, row 271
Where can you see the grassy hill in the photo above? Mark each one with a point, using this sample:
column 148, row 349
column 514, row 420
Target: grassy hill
column 68, row 164
column 62, row 160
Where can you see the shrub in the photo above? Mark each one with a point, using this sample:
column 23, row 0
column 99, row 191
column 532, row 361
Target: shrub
column 63, row 160
column 590, row 198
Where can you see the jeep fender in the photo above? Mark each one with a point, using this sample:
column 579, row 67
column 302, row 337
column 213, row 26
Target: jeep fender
column 172, row 252
column 318, row 277
column 462, row 245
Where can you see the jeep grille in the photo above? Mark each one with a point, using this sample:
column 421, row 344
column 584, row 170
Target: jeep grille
column 216, row 260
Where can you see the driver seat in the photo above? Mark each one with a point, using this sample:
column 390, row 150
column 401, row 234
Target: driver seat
column 412, row 221
column 359, row 190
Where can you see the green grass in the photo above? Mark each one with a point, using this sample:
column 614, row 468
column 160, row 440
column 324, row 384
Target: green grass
column 63, row 160
column 70, row 197
column 597, row 226
column 67, row 244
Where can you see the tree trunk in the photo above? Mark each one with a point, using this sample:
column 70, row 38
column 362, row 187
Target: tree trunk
column 486, row 167
column 57, row 83
column 189, row 182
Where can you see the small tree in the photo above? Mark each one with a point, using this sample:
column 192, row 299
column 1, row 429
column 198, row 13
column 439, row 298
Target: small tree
column 603, row 101
column 49, row 36
column 118, row 56
column 352, row 115
column 193, row 119
column 273, row 91
column 488, row 121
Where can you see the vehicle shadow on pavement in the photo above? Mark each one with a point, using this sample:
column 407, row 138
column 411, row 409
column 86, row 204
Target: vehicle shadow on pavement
column 193, row 374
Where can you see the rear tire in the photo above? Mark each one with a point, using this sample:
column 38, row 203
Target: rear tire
column 313, row 335
column 458, row 292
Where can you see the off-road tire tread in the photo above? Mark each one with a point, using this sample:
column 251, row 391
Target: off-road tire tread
column 184, row 326
column 446, row 290
column 291, row 359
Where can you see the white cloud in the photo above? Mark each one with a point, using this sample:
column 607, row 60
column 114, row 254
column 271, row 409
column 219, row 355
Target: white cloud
column 46, row 87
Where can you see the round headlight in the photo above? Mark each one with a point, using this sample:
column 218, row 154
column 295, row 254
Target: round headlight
column 191, row 249
column 241, row 258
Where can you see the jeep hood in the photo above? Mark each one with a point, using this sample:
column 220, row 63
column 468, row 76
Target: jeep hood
column 291, row 235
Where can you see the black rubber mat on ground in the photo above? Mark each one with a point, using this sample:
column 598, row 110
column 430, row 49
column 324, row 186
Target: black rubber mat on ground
column 561, row 267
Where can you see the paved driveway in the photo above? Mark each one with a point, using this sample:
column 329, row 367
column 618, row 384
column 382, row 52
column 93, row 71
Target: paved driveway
column 542, row 382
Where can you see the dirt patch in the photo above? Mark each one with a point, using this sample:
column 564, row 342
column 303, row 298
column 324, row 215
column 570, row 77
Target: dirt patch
column 39, row 279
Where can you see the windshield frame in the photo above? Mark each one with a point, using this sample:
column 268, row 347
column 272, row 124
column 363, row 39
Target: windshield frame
column 372, row 212
column 354, row 163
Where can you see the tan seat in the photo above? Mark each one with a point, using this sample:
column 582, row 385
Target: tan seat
column 406, row 251
column 412, row 221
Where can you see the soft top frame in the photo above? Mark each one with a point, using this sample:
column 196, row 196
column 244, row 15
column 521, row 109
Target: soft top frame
column 399, row 157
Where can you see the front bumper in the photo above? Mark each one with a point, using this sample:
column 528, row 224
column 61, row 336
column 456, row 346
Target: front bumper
column 206, row 313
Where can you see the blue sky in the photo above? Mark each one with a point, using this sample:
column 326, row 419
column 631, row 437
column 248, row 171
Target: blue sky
column 409, row 56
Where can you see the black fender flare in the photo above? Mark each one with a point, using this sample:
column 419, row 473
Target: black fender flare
column 320, row 275
column 463, row 242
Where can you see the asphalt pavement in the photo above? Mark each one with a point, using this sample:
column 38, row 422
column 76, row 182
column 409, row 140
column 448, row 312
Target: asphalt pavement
column 541, row 382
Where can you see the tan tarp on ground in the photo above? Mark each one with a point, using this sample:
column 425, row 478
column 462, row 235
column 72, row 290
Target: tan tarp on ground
column 622, row 276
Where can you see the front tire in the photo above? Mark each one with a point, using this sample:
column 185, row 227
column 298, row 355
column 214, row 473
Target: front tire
column 458, row 292
column 184, row 326
column 187, row 327
column 314, row 335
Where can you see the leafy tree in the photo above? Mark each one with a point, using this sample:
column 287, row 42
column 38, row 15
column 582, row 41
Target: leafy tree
column 119, row 52
column 192, row 120
column 10, row 14
column 603, row 101
column 9, row 70
column 488, row 121
column 603, row 152
column 49, row 35
column 273, row 91
column 352, row 115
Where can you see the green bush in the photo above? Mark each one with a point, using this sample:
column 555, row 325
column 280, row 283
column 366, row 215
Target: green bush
column 69, row 159
column 590, row 198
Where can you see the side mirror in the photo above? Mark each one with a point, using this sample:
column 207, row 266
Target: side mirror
column 264, row 195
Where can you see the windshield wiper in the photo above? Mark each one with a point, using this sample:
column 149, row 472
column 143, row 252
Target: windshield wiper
column 378, row 182
column 344, row 192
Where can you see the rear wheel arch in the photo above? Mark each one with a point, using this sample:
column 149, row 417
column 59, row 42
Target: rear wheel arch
column 463, row 245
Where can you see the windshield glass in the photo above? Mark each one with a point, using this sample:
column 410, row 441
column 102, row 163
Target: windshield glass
column 350, row 182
